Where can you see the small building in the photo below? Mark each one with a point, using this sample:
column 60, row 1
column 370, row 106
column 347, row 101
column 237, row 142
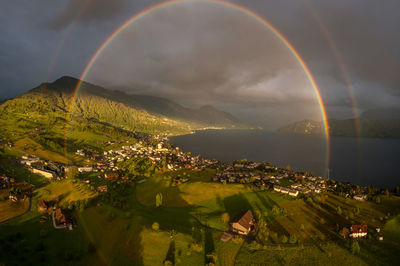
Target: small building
column 293, row 193
column 85, row 169
column 225, row 237
column 360, row 197
column 285, row 190
column 358, row 231
column 111, row 176
column 380, row 237
column 102, row 189
column 46, row 173
column 42, row 206
column 244, row 224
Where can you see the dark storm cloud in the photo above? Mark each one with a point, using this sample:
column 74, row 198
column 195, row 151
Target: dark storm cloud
column 201, row 53
column 86, row 10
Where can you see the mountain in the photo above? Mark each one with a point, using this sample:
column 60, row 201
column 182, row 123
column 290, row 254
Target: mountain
column 384, row 128
column 43, row 121
column 205, row 116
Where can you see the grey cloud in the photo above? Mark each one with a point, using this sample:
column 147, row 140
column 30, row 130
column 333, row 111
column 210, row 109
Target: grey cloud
column 86, row 10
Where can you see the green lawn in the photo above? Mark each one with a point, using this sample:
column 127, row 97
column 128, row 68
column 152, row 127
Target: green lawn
column 26, row 241
column 65, row 191
column 10, row 209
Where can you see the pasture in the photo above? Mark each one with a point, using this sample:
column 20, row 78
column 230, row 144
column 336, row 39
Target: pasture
column 65, row 191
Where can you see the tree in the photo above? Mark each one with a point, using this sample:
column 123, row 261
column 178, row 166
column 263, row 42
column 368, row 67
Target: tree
column 355, row 248
column 378, row 199
column 284, row 239
column 225, row 217
column 339, row 210
column 344, row 232
column 159, row 200
column 275, row 211
column 155, row 226
column 292, row 239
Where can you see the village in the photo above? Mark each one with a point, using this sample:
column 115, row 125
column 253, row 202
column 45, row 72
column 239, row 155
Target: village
column 108, row 166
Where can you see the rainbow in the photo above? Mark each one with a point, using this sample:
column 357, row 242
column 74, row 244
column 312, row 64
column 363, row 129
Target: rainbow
column 234, row 6
column 340, row 64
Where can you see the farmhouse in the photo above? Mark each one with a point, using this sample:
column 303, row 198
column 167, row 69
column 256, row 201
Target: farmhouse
column 244, row 224
column 358, row 231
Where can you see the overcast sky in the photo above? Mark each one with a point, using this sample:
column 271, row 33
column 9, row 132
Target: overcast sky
column 201, row 53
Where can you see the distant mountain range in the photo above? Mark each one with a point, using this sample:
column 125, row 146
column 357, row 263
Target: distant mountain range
column 118, row 108
column 39, row 121
column 374, row 128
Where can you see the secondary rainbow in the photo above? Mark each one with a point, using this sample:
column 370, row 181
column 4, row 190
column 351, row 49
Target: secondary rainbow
column 226, row 4
column 339, row 61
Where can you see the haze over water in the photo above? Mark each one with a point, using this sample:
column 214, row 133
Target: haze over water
column 364, row 161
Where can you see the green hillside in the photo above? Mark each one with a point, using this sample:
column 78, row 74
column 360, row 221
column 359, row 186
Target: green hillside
column 38, row 121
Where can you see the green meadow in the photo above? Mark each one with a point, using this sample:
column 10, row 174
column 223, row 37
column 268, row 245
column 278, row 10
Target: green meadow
column 185, row 230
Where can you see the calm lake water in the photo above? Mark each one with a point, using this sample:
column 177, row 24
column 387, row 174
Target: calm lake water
column 363, row 161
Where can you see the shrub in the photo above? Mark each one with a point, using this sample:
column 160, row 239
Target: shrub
column 355, row 247
column 155, row 226
column 292, row 239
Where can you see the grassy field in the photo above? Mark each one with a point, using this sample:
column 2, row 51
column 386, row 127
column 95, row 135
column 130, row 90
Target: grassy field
column 26, row 241
column 10, row 209
column 125, row 236
column 64, row 191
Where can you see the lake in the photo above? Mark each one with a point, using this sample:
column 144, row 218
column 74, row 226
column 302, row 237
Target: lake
column 364, row 161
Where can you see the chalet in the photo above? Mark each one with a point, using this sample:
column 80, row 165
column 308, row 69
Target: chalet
column 243, row 225
column 102, row 189
column 358, row 231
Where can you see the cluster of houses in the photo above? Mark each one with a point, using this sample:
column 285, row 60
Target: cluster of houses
column 173, row 158
column 5, row 181
column 47, row 169
column 267, row 176
column 60, row 218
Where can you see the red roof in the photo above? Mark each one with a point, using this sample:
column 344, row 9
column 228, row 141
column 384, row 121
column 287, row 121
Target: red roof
column 361, row 228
